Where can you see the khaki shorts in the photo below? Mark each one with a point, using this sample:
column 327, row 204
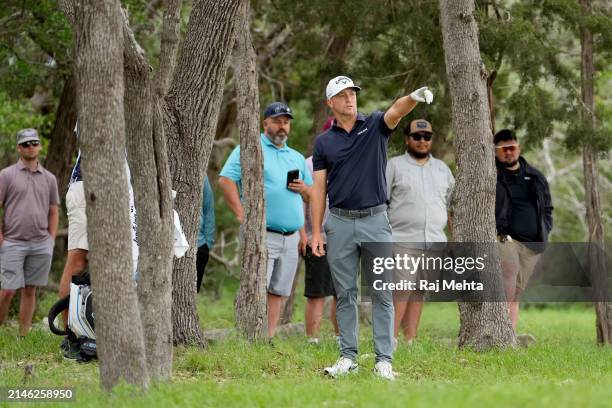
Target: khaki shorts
column 25, row 263
column 77, row 219
column 516, row 255
column 283, row 259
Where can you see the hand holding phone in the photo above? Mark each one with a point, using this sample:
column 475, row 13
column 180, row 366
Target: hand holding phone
column 292, row 175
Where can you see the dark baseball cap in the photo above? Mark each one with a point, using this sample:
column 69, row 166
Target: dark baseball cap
column 277, row 109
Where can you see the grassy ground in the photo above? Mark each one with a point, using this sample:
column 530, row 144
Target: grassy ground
column 564, row 368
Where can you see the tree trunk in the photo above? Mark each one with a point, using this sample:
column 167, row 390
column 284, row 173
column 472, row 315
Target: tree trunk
column 483, row 324
column 99, row 67
column 63, row 140
column 251, row 302
column 491, row 99
column 148, row 158
column 597, row 258
column 190, row 116
column 169, row 45
column 289, row 303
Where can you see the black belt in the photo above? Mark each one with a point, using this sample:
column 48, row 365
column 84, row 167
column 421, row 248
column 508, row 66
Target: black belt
column 280, row 232
column 366, row 212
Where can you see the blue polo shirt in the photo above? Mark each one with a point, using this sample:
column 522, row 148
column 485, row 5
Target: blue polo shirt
column 284, row 208
column 355, row 162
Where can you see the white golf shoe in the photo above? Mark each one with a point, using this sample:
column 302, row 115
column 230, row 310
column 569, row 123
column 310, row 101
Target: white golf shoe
column 341, row 367
column 383, row 369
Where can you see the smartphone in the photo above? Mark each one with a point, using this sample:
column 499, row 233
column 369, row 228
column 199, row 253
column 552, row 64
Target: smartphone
column 292, row 175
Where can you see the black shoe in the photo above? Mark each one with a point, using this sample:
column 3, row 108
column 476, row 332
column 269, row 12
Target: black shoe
column 65, row 345
column 73, row 351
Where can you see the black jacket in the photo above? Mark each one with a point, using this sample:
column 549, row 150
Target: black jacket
column 539, row 189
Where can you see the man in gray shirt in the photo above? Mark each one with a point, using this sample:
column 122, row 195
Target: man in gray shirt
column 419, row 188
column 30, row 199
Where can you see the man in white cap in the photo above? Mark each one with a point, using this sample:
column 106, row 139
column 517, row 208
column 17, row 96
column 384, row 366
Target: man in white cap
column 349, row 161
column 29, row 196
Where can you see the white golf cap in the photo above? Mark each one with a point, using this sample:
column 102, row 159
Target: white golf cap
column 338, row 84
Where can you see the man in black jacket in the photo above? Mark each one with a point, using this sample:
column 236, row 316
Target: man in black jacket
column 523, row 216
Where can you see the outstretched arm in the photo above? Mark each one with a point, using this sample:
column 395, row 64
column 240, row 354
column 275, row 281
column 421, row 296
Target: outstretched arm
column 405, row 105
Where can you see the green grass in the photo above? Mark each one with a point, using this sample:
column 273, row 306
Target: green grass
column 564, row 368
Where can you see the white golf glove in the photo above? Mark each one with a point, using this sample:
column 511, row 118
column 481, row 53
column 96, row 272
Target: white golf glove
column 422, row 95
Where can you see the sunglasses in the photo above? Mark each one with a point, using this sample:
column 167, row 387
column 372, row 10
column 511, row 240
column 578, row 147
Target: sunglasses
column 30, row 143
column 509, row 148
column 417, row 137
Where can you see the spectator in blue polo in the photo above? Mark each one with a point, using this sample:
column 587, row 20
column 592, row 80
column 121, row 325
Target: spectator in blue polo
column 284, row 203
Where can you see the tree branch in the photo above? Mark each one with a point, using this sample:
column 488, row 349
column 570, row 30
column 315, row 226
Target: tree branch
column 169, row 45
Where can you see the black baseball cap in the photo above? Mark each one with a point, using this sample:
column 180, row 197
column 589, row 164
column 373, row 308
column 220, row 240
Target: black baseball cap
column 277, row 109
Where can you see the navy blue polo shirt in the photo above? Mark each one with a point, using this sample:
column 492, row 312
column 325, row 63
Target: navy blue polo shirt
column 355, row 162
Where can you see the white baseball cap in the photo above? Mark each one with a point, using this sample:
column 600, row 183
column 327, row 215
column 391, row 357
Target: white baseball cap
column 338, row 84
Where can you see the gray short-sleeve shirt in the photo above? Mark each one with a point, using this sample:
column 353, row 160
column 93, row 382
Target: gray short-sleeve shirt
column 419, row 197
column 26, row 197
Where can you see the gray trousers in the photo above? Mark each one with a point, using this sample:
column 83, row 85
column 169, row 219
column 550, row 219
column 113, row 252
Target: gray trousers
column 344, row 238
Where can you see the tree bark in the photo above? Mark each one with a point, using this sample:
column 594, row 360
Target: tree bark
column 169, row 45
column 597, row 258
column 148, row 159
column 289, row 303
column 190, row 116
column 63, row 140
column 251, row 302
column 483, row 324
column 99, row 68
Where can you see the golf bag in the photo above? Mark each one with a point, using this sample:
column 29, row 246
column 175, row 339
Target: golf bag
column 81, row 328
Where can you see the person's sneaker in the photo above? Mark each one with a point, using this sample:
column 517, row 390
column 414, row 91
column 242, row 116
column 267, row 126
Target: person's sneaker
column 313, row 340
column 383, row 369
column 341, row 367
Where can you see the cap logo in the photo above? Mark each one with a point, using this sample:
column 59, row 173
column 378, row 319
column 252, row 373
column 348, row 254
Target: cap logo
column 421, row 125
column 343, row 80
column 279, row 109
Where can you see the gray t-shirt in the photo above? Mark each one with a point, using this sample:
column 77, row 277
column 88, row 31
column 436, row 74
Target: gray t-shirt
column 26, row 197
column 419, row 197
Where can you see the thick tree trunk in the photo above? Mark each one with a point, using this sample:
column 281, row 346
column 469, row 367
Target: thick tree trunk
column 63, row 140
column 597, row 258
column 148, row 158
column 190, row 117
column 251, row 302
column 99, row 67
column 483, row 324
